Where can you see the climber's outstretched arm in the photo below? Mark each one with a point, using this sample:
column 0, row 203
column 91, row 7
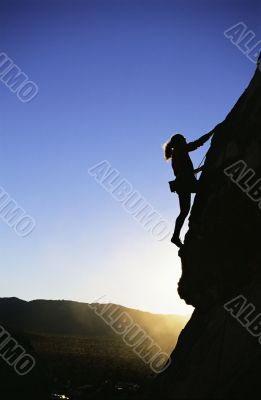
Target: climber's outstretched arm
column 199, row 142
column 203, row 139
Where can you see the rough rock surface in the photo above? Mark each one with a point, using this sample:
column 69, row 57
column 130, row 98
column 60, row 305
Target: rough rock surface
column 216, row 355
column 222, row 247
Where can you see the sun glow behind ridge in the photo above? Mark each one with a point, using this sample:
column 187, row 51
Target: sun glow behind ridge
column 144, row 277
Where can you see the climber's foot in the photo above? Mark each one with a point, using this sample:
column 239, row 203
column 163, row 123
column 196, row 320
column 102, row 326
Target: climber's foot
column 176, row 240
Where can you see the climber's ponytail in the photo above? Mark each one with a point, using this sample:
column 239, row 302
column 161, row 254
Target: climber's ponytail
column 167, row 147
column 176, row 140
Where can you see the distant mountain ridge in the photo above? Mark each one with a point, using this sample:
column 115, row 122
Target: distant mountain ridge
column 65, row 317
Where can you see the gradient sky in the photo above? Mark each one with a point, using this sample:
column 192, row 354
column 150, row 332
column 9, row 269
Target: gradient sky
column 116, row 79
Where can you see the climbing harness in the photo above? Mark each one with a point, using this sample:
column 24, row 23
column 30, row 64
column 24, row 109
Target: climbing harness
column 173, row 185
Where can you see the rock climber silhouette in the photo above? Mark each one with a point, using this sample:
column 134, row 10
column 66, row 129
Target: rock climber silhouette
column 177, row 150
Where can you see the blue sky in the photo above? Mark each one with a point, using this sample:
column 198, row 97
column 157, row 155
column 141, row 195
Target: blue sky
column 116, row 79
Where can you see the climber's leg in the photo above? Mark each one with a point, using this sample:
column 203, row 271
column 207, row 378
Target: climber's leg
column 184, row 203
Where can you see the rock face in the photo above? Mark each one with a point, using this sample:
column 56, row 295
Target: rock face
column 218, row 352
column 222, row 247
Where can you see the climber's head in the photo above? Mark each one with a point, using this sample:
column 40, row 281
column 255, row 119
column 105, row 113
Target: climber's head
column 176, row 141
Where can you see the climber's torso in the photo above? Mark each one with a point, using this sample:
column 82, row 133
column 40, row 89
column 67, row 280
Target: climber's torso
column 183, row 169
column 181, row 162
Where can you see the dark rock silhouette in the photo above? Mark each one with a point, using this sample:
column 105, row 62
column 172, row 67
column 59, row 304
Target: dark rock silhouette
column 216, row 355
column 221, row 251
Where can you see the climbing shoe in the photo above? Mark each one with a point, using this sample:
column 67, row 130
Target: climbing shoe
column 176, row 240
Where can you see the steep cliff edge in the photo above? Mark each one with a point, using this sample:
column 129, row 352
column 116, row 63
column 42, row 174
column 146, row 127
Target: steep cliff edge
column 222, row 247
column 218, row 352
